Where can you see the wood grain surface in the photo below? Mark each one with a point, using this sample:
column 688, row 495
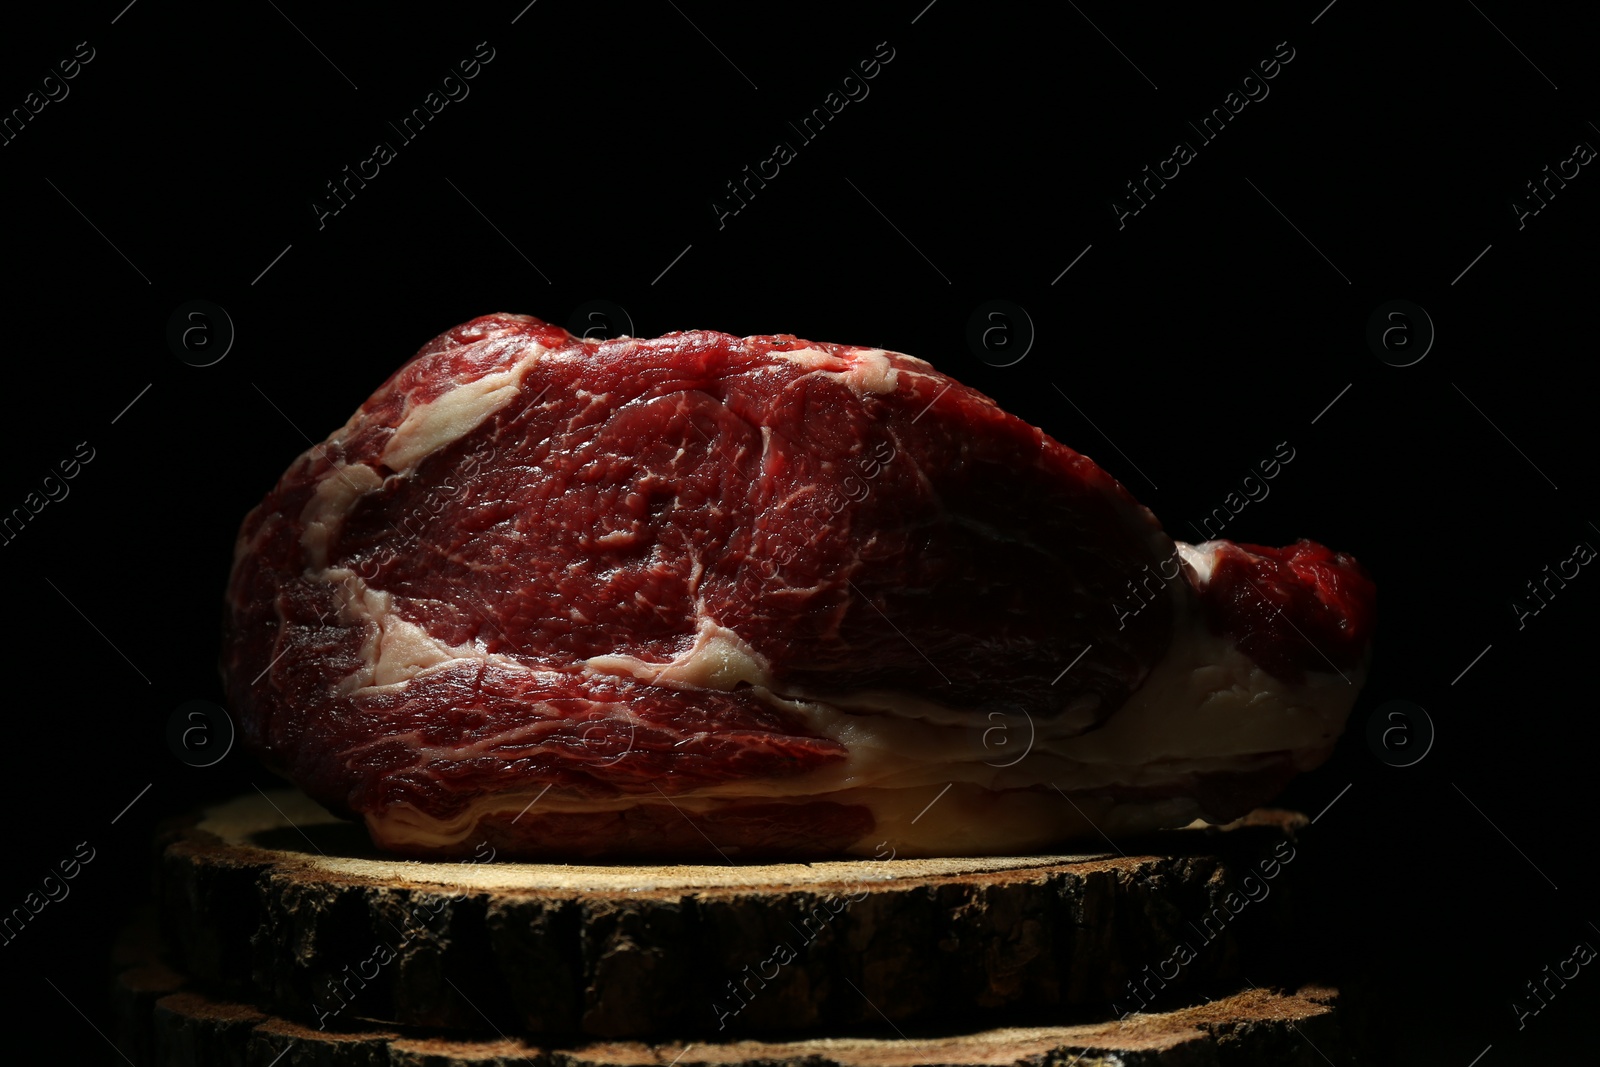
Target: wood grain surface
column 163, row 1018
column 270, row 900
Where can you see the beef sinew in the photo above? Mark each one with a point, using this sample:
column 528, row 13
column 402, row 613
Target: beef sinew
column 655, row 597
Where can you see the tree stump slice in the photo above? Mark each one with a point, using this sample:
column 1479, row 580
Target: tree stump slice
column 276, row 903
column 1256, row 1028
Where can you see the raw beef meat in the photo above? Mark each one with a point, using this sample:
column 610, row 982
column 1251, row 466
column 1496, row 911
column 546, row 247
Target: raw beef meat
column 704, row 597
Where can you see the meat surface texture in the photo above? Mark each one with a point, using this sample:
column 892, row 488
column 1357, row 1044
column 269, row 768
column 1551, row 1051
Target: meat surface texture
column 705, row 598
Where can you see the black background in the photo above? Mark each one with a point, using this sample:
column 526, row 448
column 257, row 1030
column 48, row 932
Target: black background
column 984, row 161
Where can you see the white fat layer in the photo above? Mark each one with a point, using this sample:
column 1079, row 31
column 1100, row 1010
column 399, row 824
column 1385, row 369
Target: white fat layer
column 324, row 514
column 718, row 659
column 1074, row 719
column 426, row 428
column 865, row 370
column 962, row 820
column 1208, row 700
column 395, row 651
column 870, row 371
column 808, row 357
column 1200, row 558
column 1206, row 708
column 919, row 361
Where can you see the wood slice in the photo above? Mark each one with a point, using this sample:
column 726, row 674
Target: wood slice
column 1267, row 1027
column 281, row 904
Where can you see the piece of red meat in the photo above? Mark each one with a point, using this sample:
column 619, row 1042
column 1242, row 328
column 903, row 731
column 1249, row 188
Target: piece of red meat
column 704, row 595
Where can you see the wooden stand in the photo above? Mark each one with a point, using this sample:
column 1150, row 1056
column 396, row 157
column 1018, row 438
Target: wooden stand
column 270, row 902
column 163, row 1019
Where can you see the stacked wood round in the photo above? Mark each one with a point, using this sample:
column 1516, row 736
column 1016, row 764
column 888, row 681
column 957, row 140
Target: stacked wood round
column 281, row 926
